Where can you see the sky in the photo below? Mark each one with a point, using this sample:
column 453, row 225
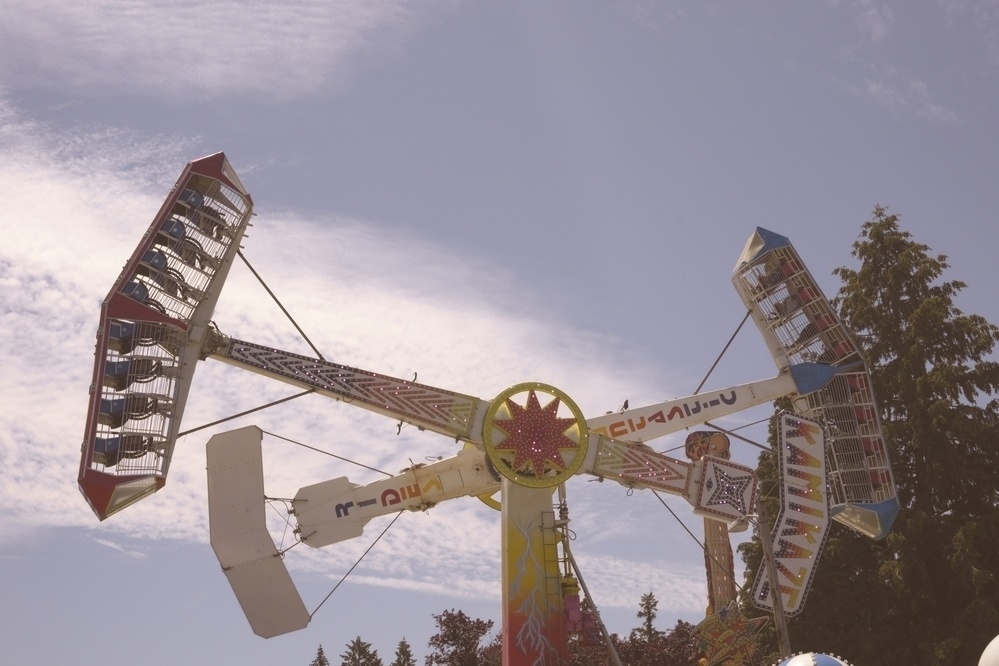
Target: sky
column 484, row 193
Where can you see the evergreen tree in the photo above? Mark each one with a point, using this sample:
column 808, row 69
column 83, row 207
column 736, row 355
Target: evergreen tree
column 645, row 645
column 360, row 653
column 647, row 613
column 929, row 592
column 320, row 659
column 403, row 655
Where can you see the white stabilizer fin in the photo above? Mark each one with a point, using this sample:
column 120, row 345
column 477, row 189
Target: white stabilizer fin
column 239, row 536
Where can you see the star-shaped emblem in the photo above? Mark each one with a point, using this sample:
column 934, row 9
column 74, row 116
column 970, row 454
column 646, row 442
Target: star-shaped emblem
column 536, row 436
column 728, row 489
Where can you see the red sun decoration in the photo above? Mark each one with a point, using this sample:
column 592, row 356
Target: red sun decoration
column 536, row 435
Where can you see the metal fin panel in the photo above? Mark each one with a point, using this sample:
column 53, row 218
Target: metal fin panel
column 237, row 524
column 803, row 524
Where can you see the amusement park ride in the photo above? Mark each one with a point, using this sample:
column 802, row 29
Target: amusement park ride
column 155, row 325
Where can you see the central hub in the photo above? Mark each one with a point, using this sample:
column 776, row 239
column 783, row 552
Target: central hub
column 535, row 435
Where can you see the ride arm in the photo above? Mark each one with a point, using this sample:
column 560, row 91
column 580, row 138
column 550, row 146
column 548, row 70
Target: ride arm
column 460, row 416
column 426, row 407
column 616, row 450
column 646, row 423
column 714, row 487
column 337, row 510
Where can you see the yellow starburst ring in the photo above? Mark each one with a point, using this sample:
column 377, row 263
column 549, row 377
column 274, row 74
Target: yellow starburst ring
column 534, row 444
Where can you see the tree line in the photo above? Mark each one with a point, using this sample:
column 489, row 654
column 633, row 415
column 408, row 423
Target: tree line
column 465, row 641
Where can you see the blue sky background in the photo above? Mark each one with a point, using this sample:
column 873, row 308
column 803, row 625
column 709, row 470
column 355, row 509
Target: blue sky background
column 484, row 193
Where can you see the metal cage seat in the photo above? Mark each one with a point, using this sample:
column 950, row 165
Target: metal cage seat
column 173, row 236
column 156, row 267
column 125, row 336
column 119, row 375
column 116, row 412
column 109, row 451
column 205, row 218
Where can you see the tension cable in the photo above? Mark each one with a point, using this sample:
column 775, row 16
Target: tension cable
column 286, row 313
column 702, row 546
column 725, row 349
column 249, row 411
column 327, row 453
column 349, row 571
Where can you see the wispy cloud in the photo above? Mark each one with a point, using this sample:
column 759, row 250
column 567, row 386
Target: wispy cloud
column 113, row 545
column 199, row 50
column 901, row 94
column 982, row 16
column 874, row 20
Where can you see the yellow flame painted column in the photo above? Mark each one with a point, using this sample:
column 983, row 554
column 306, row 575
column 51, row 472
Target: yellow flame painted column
column 534, row 630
